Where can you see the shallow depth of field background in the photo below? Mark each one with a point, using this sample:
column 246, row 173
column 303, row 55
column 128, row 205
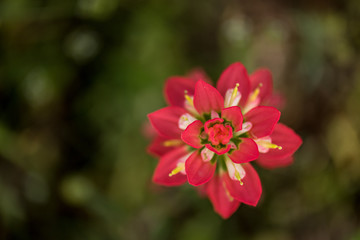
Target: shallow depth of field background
column 77, row 79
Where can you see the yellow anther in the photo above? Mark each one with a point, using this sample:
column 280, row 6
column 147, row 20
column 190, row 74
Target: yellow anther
column 238, row 177
column 188, row 98
column 233, row 95
column 255, row 93
column 271, row 145
column 180, row 167
column 172, row 143
column 184, row 117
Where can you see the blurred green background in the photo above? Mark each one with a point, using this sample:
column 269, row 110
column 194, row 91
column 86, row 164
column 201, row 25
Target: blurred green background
column 77, row 79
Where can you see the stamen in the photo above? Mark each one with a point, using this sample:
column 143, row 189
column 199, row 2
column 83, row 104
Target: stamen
column 256, row 92
column 246, row 126
column 238, row 177
column 172, row 143
column 185, row 120
column 188, row 98
column 227, row 193
column 207, row 155
column 233, row 95
column 180, row 167
column 235, row 170
column 189, row 104
column 271, row 145
column 265, row 144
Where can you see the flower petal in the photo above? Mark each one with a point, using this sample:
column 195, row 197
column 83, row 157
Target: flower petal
column 276, row 100
column 167, row 163
column 191, row 135
column 235, row 73
column 166, row 121
column 234, row 115
column 287, row 139
column 197, row 170
column 220, row 149
column 248, row 193
column 275, row 163
column 199, row 74
column 207, row 98
column 246, row 152
column 263, row 120
column 158, row 146
column 224, row 204
column 175, row 88
column 148, row 130
column 262, row 78
column 207, row 154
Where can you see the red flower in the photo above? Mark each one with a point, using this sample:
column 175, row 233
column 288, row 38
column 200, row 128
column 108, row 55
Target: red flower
column 209, row 135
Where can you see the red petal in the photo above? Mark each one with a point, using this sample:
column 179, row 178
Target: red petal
column 234, row 115
column 218, row 151
column 224, row 204
column 286, row 138
column 263, row 120
column 199, row 74
column 148, row 130
column 166, row 121
column 235, row 73
column 168, row 163
column 250, row 191
column 247, row 151
column 201, row 190
column 198, row 171
column 263, row 77
column 191, row 135
column 207, row 98
column 175, row 89
column 276, row 100
column 157, row 147
column 275, row 163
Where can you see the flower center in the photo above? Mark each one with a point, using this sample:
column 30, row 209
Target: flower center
column 218, row 132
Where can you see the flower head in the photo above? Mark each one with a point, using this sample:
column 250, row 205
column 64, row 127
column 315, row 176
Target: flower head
column 208, row 136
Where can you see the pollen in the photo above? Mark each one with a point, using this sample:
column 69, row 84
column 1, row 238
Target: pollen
column 238, row 177
column 233, row 95
column 188, row 98
column 172, row 143
column 180, row 167
column 271, row 145
column 255, row 93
